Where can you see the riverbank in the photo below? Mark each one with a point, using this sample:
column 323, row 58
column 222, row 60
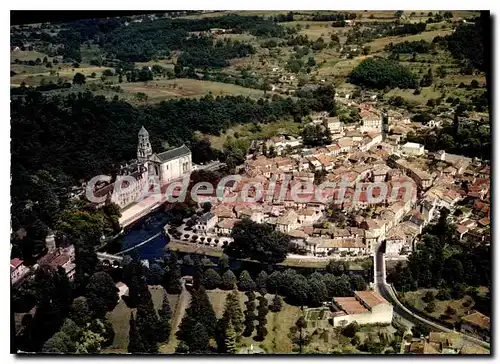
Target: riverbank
column 190, row 248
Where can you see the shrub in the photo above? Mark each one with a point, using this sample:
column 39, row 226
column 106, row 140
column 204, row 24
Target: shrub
column 431, row 307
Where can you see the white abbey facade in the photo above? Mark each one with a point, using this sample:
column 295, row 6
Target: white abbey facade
column 169, row 165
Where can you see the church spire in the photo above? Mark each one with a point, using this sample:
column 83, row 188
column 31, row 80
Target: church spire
column 144, row 151
column 143, row 131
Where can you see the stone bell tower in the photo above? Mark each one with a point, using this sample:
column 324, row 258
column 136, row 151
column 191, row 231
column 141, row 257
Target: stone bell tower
column 144, row 151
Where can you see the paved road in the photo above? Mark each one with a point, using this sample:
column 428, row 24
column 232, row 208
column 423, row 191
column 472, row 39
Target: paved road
column 388, row 293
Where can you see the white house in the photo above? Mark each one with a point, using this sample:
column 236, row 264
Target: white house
column 371, row 121
column 413, row 149
column 334, row 125
column 366, row 307
column 207, row 222
column 17, row 270
column 287, row 222
column 225, row 226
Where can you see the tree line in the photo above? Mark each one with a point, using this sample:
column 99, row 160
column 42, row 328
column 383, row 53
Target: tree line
column 419, row 46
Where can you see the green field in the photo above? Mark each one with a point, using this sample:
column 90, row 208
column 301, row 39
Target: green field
column 414, row 299
column 159, row 90
column 267, row 131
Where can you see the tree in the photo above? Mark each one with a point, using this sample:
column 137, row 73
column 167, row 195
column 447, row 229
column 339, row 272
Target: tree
column 276, row 304
column 350, row 330
column 211, row 279
column 419, row 330
column 450, row 311
column 229, row 280
column 301, row 324
column 230, row 340
column 398, row 14
column 223, row 264
column 135, row 344
column 357, row 283
column 458, row 290
column 164, row 324
column 453, row 270
column 246, row 282
column 63, row 290
column 102, row 294
column 79, row 79
column 141, row 96
column 337, row 286
column 426, row 80
column 274, row 281
column 317, row 290
column 200, row 311
column 90, row 343
column 311, row 62
column 147, row 320
column 108, row 72
column 380, row 73
column 443, row 294
column 336, row 267
column 315, row 135
column 429, row 297
column 70, row 328
column 298, row 291
column 79, row 311
column 200, row 341
column 249, row 314
column 261, row 281
column 132, row 298
column 233, row 312
column 258, row 241
column 431, row 307
column 155, row 274
column 172, row 275
column 59, row 343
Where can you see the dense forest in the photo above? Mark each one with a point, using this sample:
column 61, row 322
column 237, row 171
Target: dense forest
column 380, row 73
column 467, row 44
column 140, row 42
column 148, row 39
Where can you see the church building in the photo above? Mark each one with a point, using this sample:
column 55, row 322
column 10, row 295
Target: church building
column 167, row 166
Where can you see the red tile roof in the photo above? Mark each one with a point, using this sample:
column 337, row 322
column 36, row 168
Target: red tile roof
column 15, row 263
column 370, row 298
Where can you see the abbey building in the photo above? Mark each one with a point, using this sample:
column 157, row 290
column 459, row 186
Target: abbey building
column 167, row 166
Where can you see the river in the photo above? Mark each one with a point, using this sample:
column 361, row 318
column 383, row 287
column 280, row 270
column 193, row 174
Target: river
column 152, row 224
column 140, row 231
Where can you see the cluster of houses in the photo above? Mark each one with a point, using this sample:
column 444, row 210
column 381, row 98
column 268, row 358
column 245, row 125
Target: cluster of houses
column 418, row 184
column 450, row 342
column 55, row 257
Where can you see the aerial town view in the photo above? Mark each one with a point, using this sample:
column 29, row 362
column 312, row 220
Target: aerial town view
column 251, row 182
